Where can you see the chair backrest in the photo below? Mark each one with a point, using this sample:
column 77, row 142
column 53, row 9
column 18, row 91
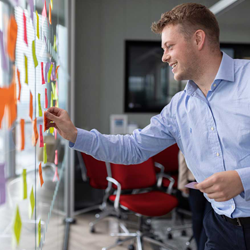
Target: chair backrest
column 168, row 158
column 96, row 171
column 134, row 176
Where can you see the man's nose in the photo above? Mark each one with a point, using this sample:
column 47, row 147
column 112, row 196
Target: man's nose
column 165, row 58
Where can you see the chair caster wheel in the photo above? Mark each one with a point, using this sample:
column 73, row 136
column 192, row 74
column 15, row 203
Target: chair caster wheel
column 131, row 247
column 183, row 233
column 92, row 230
column 170, row 237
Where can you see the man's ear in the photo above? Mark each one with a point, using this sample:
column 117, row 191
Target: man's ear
column 199, row 39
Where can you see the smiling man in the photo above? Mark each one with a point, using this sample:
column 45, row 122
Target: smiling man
column 209, row 120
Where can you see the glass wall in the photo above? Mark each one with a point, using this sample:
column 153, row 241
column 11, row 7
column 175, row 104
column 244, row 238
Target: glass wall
column 33, row 77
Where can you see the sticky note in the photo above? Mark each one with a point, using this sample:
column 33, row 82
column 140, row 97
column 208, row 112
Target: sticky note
column 2, row 184
column 35, row 132
column 55, row 133
column 31, row 3
column 39, row 105
column 26, row 68
column 53, row 73
column 3, row 55
column 43, row 80
column 41, row 174
column 191, row 185
column 25, row 29
column 56, row 175
column 47, row 70
column 24, row 184
column 31, row 107
column 53, row 87
column 51, row 130
column 37, row 25
column 11, row 38
column 54, row 45
column 22, row 134
column 32, row 203
column 19, row 85
column 45, row 121
column 56, row 158
column 49, row 73
column 12, row 102
column 41, row 135
column 57, row 71
column 46, row 99
column 51, row 2
column 17, row 227
column 44, row 154
column 34, row 53
column 50, row 21
column 39, row 233
column 51, row 99
column 44, row 12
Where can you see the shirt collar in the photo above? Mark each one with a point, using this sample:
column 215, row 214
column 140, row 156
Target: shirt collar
column 225, row 72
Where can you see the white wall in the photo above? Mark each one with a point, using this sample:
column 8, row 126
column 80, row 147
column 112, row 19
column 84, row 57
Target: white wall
column 102, row 26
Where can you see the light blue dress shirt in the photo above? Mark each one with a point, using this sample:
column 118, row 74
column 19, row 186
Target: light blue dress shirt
column 213, row 133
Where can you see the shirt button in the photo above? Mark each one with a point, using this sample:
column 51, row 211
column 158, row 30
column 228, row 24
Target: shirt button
column 232, row 206
column 212, row 128
column 218, row 154
column 214, row 85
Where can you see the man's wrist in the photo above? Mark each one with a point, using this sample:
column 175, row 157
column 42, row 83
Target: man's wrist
column 74, row 135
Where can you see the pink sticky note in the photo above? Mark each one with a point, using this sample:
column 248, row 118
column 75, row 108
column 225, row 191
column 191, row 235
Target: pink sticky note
column 56, row 158
column 55, row 133
column 41, row 135
column 191, row 185
column 25, row 29
column 43, row 80
column 46, row 99
column 3, row 54
column 56, row 176
column 2, row 184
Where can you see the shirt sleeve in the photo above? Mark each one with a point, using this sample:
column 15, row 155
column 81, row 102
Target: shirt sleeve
column 129, row 149
column 244, row 174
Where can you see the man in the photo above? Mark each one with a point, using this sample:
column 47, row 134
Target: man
column 209, row 120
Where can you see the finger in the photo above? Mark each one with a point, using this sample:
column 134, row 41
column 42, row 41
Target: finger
column 51, row 117
column 50, row 125
column 204, row 184
column 54, row 110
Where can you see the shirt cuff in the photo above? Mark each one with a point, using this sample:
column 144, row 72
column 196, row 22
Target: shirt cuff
column 244, row 174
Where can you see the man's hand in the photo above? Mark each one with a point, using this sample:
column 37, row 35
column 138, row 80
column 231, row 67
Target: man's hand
column 62, row 123
column 222, row 186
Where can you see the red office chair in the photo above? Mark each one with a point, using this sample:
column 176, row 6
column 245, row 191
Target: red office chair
column 96, row 172
column 147, row 204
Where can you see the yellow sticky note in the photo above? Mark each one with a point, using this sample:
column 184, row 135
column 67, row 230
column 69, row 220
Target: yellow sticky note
column 53, row 86
column 32, row 203
column 49, row 73
column 54, row 46
column 24, row 185
column 39, row 105
column 37, row 25
column 51, row 99
column 34, row 53
column 17, row 227
column 39, row 233
column 51, row 130
column 26, row 68
column 44, row 153
column 51, row 3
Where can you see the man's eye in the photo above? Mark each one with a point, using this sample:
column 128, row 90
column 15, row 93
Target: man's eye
column 170, row 46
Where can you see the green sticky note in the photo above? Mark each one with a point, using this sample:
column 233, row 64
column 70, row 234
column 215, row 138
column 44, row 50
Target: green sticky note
column 54, row 46
column 39, row 105
column 51, row 99
column 32, row 203
column 51, row 130
column 44, row 153
column 39, row 233
column 34, row 53
column 17, row 227
column 26, row 68
column 49, row 73
column 53, row 86
column 24, row 184
column 37, row 25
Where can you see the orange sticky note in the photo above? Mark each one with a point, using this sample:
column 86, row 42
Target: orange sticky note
column 41, row 135
column 19, row 85
column 35, row 132
column 50, row 14
column 56, row 158
column 3, row 102
column 57, row 70
column 12, row 103
column 22, row 134
column 41, row 174
column 12, row 36
column 31, row 106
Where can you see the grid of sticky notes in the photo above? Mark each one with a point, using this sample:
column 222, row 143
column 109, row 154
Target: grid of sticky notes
column 10, row 97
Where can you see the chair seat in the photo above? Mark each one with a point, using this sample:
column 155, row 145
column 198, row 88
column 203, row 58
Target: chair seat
column 154, row 203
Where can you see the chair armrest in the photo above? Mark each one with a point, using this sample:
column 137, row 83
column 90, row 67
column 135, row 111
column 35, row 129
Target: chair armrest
column 171, row 184
column 117, row 199
column 160, row 166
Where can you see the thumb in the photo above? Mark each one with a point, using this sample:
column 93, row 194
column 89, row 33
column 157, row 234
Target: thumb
column 51, row 117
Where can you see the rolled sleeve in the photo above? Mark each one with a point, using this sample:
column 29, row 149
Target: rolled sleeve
column 244, row 174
